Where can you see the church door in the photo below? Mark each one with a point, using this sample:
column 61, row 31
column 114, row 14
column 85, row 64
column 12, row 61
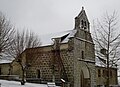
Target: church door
column 85, row 77
column 82, row 79
column 38, row 73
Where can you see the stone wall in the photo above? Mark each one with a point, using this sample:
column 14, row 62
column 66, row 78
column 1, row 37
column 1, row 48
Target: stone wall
column 68, row 61
column 102, row 75
column 42, row 60
column 5, row 69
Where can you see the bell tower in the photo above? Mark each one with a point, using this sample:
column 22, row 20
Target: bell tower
column 84, row 53
column 81, row 21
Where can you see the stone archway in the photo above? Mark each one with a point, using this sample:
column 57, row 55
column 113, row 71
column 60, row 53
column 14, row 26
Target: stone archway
column 85, row 77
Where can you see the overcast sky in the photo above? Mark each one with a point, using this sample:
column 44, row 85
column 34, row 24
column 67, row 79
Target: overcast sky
column 49, row 16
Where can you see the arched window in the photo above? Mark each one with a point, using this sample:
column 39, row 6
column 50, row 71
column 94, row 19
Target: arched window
column 85, row 23
column 82, row 23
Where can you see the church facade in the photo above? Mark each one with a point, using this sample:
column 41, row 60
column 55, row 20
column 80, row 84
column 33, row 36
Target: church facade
column 69, row 58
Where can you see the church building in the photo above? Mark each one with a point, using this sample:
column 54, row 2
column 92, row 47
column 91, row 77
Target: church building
column 67, row 57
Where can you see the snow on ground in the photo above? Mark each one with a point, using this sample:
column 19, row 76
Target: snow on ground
column 5, row 83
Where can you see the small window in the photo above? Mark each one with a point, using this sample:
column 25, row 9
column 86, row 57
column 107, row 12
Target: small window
column 82, row 54
column 99, row 73
column 82, row 24
column 0, row 71
column 103, row 73
column 110, row 73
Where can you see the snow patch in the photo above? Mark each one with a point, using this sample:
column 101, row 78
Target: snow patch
column 47, row 39
column 2, row 61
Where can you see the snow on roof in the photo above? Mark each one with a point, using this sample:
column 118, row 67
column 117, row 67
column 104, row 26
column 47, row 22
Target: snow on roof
column 2, row 61
column 98, row 62
column 47, row 39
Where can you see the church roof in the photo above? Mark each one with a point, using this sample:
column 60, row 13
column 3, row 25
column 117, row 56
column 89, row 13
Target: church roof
column 99, row 62
column 3, row 61
column 47, row 39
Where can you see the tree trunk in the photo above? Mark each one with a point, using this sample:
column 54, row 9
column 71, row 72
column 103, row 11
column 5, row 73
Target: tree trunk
column 23, row 77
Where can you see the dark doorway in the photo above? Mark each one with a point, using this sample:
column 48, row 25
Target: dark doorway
column 38, row 73
column 0, row 71
column 82, row 79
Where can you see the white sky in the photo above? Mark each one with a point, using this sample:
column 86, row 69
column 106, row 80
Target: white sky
column 49, row 16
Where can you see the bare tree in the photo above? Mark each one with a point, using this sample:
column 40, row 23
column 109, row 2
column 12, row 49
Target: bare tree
column 21, row 41
column 6, row 35
column 107, row 40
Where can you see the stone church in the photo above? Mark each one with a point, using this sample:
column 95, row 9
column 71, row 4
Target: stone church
column 71, row 57
column 67, row 57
